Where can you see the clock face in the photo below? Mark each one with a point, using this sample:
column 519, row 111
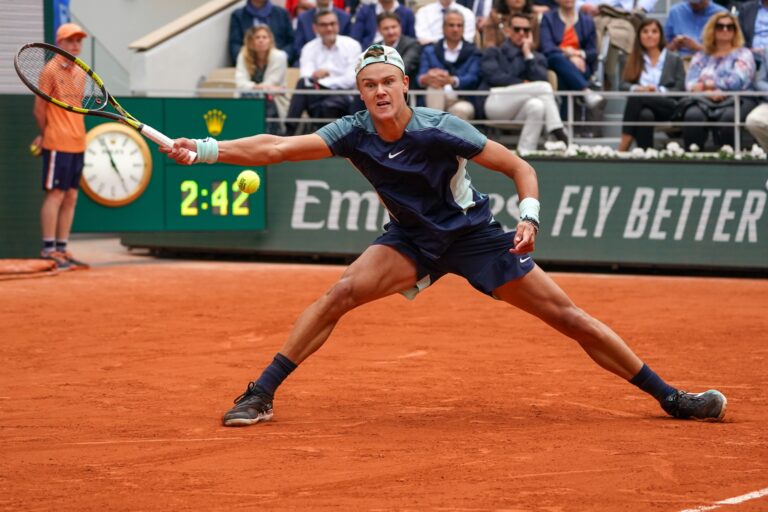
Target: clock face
column 118, row 165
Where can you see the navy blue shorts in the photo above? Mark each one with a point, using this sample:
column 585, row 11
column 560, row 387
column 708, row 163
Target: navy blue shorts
column 481, row 256
column 62, row 170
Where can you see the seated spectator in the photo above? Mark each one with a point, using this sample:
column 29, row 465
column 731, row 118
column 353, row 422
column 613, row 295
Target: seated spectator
column 408, row 47
column 449, row 65
column 365, row 29
column 723, row 65
column 494, row 31
column 685, row 23
column 757, row 120
column 296, row 7
column 430, row 19
column 327, row 62
column 651, row 68
column 260, row 12
column 517, row 76
column 260, row 72
column 305, row 31
column 568, row 40
column 753, row 19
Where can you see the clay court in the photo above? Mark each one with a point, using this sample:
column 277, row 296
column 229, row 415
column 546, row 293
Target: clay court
column 114, row 381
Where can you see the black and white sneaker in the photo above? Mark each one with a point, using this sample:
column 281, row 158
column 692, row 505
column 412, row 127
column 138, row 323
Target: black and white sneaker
column 709, row 405
column 251, row 407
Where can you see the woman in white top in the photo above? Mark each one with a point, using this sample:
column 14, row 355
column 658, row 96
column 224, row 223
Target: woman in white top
column 260, row 72
column 650, row 68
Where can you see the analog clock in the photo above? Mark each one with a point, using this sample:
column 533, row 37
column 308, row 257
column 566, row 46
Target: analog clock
column 118, row 165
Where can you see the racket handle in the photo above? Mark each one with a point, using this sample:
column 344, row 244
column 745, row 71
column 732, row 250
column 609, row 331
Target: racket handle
column 163, row 140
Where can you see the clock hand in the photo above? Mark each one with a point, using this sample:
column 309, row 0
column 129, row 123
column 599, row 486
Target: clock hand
column 114, row 166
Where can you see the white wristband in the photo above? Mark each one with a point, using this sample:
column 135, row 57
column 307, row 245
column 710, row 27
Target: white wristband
column 207, row 150
column 529, row 209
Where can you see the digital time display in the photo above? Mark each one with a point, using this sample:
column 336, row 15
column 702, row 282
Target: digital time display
column 202, row 198
column 222, row 199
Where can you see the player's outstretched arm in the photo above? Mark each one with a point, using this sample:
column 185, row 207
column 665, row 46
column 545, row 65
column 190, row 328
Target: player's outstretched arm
column 498, row 158
column 257, row 150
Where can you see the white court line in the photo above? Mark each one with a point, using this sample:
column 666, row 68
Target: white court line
column 128, row 441
column 730, row 501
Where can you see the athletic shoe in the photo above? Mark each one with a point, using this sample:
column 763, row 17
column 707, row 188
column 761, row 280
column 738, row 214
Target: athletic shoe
column 59, row 258
column 251, row 407
column 593, row 100
column 709, row 405
column 76, row 264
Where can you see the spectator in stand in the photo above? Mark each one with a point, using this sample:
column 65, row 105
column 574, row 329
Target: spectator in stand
column 517, row 77
column 260, row 12
column 495, row 30
column 430, row 20
column 260, row 72
column 296, row 7
column 568, row 39
column 753, row 19
column 757, row 120
column 305, row 31
column 723, row 65
column 365, row 29
column 300, row 8
column 449, row 65
column 650, row 68
column 685, row 23
column 408, row 47
column 327, row 62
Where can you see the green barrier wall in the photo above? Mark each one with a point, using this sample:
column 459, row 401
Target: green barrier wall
column 695, row 215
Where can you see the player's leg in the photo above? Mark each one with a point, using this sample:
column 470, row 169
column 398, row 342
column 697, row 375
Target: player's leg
column 537, row 294
column 380, row 271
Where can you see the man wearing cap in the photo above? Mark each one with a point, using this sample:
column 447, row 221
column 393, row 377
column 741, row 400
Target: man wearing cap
column 62, row 139
column 416, row 161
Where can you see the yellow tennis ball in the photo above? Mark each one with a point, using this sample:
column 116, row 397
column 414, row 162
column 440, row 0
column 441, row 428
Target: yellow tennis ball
column 35, row 150
column 248, row 181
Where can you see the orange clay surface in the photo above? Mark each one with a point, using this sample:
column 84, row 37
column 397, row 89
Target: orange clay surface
column 113, row 382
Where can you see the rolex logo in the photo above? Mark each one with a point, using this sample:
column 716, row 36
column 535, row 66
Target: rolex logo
column 214, row 121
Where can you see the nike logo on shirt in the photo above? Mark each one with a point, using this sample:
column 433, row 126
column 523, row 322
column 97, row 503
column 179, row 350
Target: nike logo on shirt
column 394, row 155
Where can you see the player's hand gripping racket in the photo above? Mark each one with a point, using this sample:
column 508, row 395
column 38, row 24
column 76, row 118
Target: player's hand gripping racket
column 78, row 88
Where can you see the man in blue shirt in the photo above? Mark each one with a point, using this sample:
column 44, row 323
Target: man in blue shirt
column 416, row 160
column 753, row 18
column 685, row 22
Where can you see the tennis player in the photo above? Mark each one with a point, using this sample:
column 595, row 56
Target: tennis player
column 415, row 159
column 62, row 139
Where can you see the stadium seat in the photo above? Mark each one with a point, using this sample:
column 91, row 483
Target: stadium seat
column 220, row 83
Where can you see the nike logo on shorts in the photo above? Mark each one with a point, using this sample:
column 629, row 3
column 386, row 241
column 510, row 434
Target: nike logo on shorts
column 393, row 156
column 523, row 260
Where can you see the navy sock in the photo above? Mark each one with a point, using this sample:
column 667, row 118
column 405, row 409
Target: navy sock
column 49, row 245
column 647, row 380
column 61, row 246
column 274, row 374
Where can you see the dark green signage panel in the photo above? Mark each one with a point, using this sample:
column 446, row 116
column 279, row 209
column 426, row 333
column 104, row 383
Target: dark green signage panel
column 221, row 118
column 206, row 197
column 145, row 213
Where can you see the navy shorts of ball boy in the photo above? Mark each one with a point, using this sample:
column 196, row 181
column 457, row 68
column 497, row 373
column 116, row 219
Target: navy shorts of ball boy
column 62, row 170
column 481, row 256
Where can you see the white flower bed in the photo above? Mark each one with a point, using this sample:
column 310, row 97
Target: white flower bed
column 673, row 151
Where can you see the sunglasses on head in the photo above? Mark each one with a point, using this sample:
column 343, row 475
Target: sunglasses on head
column 526, row 30
column 725, row 26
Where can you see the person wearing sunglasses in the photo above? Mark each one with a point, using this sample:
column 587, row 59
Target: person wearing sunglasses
column 723, row 65
column 685, row 24
column 517, row 77
column 650, row 68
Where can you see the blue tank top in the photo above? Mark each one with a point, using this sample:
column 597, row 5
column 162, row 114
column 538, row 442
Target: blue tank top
column 421, row 178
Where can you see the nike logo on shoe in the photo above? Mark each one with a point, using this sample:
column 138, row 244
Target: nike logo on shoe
column 394, row 155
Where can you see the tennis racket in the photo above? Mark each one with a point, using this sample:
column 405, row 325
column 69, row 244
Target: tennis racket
column 77, row 87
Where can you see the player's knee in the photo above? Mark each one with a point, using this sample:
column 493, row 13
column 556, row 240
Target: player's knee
column 340, row 298
column 574, row 320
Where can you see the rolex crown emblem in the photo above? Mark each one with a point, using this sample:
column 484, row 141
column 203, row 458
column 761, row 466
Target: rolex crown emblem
column 214, row 121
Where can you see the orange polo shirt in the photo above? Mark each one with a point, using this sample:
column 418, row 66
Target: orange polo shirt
column 570, row 39
column 64, row 130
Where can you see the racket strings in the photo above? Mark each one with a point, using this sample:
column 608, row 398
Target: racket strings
column 60, row 78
